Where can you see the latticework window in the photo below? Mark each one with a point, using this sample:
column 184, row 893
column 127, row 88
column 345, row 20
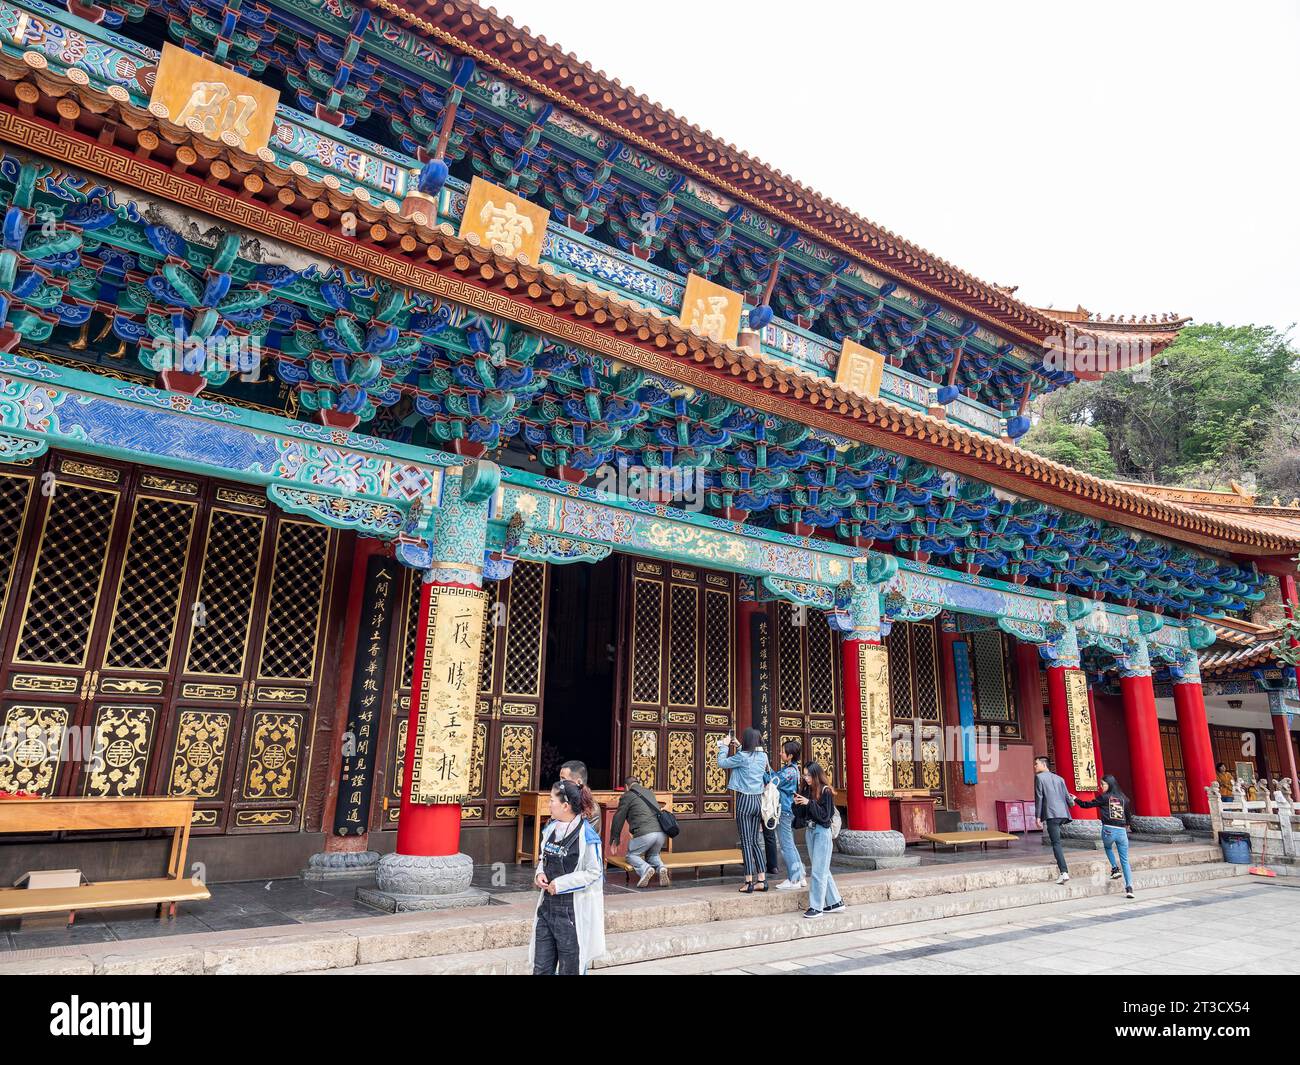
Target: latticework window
column 293, row 614
column 224, row 607
column 647, row 636
column 992, row 693
column 683, row 645
column 63, row 594
column 14, row 495
column 522, row 669
column 149, row 591
column 718, row 645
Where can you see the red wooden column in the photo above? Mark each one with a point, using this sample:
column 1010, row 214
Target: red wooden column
column 867, row 814
column 1194, row 737
column 1150, row 789
column 1281, row 722
column 434, row 830
column 1030, row 697
column 1062, row 751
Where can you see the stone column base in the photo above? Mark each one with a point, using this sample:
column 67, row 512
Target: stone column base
column 1157, row 829
column 415, row 882
column 1078, row 835
column 341, row 865
column 873, row 849
column 1196, row 823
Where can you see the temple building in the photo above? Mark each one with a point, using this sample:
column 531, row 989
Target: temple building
column 393, row 407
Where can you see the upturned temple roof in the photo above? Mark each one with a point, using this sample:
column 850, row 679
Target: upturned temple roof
column 543, row 68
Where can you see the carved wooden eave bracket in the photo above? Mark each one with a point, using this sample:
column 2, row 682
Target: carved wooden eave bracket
column 103, row 133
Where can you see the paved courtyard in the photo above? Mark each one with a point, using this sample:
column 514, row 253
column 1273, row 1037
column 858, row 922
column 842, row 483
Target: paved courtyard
column 1245, row 926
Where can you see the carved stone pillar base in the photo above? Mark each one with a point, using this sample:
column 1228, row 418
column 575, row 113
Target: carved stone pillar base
column 1078, row 835
column 412, row 882
column 341, row 865
column 873, row 849
column 1157, row 829
column 1196, row 822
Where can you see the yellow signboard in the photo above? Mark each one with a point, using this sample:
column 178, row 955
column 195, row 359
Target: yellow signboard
column 500, row 218
column 450, row 657
column 860, row 370
column 711, row 310
column 1080, row 717
column 877, row 725
column 194, row 88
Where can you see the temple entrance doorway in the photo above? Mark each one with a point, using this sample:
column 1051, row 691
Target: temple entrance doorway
column 581, row 655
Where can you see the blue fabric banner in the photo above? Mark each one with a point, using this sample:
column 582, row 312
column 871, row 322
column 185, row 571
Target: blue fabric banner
column 965, row 710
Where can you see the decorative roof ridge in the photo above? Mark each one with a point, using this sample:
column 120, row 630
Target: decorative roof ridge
column 290, row 196
column 721, row 163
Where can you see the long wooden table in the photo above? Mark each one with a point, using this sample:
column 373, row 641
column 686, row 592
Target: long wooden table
column 88, row 815
column 537, row 805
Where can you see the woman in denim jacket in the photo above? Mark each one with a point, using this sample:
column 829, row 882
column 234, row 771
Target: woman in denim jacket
column 749, row 770
column 787, row 783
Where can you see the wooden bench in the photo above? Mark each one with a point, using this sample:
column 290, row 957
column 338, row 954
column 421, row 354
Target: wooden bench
column 957, row 839
column 683, row 860
column 85, row 815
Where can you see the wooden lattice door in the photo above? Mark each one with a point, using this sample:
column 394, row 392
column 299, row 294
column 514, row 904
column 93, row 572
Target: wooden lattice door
column 806, row 687
column 678, row 689
column 1175, row 772
column 916, row 708
column 162, row 635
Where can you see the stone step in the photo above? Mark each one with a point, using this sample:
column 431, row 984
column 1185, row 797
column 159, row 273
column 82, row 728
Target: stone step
column 908, row 904
column 494, row 934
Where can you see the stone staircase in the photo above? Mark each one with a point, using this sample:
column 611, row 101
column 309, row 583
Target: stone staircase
column 646, row 926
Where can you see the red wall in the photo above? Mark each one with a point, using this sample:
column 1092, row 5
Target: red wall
column 1013, row 779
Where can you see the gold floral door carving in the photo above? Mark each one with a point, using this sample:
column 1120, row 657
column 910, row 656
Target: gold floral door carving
column 916, row 708
column 806, row 688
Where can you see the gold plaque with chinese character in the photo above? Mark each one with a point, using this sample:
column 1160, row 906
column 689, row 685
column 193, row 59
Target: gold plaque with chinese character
column 860, row 370
column 450, row 657
column 711, row 310
column 191, row 87
column 499, row 217
column 873, row 693
column 1080, row 717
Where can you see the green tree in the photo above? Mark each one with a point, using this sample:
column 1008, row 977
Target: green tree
column 1199, row 411
column 1079, row 446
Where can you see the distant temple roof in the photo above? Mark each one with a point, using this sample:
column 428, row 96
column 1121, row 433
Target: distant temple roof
column 1271, row 517
column 495, row 41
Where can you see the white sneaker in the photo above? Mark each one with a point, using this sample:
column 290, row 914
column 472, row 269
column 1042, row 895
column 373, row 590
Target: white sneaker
column 1063, row 878
column 785, row 885
column 646, row 877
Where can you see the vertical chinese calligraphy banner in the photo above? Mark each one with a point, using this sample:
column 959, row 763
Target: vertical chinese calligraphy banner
column 711, row 310
column 965, row 710
column 873, row 690
column 760, row 664
column 367, row 697
column 500, row 218
column 1076, row 708
column 450, row 654
column 194, row 88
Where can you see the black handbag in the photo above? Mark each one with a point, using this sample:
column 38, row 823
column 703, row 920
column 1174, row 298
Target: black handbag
column 667, row 819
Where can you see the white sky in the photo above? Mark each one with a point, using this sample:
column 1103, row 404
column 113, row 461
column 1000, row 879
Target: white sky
column 1134, row 157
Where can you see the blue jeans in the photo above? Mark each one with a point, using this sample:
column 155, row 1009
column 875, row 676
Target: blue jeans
column 1118, row 839
column 789, row 853
column 650, row 845
column 822, row 891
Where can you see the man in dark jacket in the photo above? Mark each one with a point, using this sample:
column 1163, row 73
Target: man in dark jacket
column 640, row 810
column 1052, row 799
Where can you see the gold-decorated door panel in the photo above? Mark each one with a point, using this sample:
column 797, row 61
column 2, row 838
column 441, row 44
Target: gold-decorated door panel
column 162, row 635
column 677, row 661
column 915, row 707
column 806, row 686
